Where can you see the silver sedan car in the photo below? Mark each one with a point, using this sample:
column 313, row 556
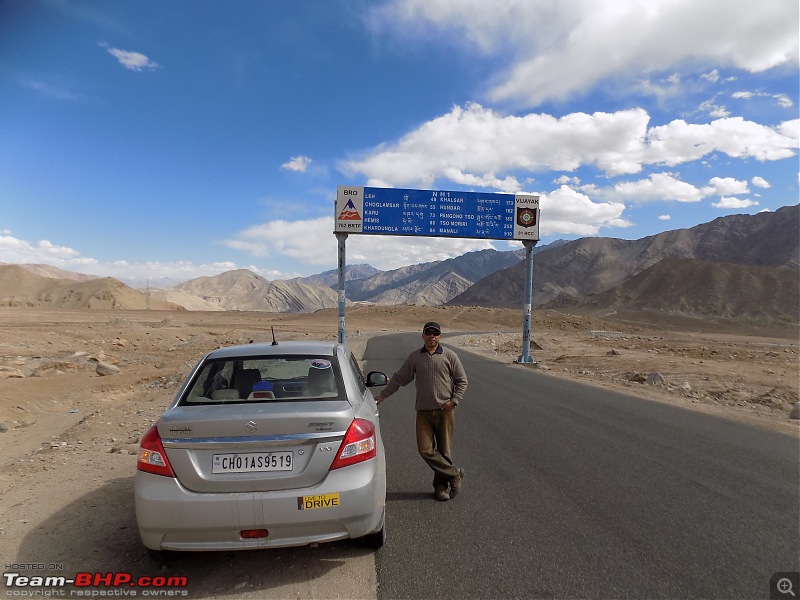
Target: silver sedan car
column 265, row 446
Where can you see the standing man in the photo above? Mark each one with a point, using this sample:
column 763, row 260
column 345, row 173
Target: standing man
column 441, row 382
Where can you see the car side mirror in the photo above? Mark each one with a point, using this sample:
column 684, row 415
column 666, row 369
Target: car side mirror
column 376, row 378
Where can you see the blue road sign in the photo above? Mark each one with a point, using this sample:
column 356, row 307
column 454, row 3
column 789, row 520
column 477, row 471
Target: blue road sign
column 437, row 213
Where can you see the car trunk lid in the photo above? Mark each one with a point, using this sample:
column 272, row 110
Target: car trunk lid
column 254, row 447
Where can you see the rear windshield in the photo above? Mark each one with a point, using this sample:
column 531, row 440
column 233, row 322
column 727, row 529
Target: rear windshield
column 265, row 379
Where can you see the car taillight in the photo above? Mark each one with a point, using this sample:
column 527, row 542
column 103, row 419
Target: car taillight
column 357, row 446
column 152, row 458
column 249, row 534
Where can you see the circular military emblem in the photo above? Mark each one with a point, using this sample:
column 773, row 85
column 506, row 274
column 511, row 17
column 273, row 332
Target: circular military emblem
column 526, row 217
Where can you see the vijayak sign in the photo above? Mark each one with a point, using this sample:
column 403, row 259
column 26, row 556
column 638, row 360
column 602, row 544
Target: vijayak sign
column 437, row 213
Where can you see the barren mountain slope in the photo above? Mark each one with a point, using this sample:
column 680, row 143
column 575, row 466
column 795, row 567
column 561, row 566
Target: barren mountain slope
column 243, row 290
column 20, row 287
column 708, row 290
column 594, row 265
column 433, row 290
column 331, row 278
column 239, row 282
column 55, row 272
column 432, row 283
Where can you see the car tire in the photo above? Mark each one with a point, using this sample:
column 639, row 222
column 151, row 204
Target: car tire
column 377, row 539
column 160, row 556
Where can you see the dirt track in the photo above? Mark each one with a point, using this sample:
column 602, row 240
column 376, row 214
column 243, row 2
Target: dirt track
column 71, row 436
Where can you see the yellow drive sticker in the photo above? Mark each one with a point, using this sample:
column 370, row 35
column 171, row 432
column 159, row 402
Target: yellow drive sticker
column 321, row 501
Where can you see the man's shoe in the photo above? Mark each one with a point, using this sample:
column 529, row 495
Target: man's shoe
column 455, row 483
column 441, row 494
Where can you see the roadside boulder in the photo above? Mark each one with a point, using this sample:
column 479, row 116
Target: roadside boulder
column 636, row 377
column 104, row 369
column 795, row 412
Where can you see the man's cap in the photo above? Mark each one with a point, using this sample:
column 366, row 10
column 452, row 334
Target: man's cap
column 432, row 325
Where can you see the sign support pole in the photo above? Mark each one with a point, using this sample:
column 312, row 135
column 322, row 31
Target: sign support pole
column 526, row 322
column 340, row 238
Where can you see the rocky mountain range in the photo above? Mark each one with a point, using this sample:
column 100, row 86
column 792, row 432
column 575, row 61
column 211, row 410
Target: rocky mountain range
column 331, row 278
column 698, row 288
column 433, row 283
column 565, row 275
column 244, row 290
column 740, row 266
column 20, row 286
column 51, row 272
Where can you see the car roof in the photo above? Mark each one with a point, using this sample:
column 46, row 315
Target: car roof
column 305, row 347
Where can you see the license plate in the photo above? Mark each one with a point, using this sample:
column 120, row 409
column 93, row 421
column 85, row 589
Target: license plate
column 252, row 462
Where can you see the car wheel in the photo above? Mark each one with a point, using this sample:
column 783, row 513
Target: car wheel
column 377, row 539
column 160, row 556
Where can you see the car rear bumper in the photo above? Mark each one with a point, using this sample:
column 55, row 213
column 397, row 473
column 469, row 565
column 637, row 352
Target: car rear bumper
column 171, row 517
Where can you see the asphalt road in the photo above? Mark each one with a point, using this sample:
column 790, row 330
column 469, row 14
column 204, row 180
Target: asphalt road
column 576, row 492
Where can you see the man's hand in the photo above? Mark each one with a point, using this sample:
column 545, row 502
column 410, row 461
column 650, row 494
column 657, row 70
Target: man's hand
column 378, row 399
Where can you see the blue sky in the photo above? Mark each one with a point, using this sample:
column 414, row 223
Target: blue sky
column 161, row 141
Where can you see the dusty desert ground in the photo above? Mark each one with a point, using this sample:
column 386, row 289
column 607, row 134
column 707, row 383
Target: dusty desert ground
column 69, row 436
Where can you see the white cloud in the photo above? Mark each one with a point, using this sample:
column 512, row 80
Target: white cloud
column 680, row 142
column 478, row 147
column 312, row 241
column 733, row 203
column 586, row 42
column 658, row 187
column 726, row 185
column 16, row 251
column 479, row 143
column 566, row 211
column 760, row 182
column 714, row 110
column 790, row 129
column 662, row 89
column 664, row 217
column 134, row 61
column 297, row 163
column 51, row 90
column 661, row 187
column 507, row 185
column 783, row 100
column 567, row 180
